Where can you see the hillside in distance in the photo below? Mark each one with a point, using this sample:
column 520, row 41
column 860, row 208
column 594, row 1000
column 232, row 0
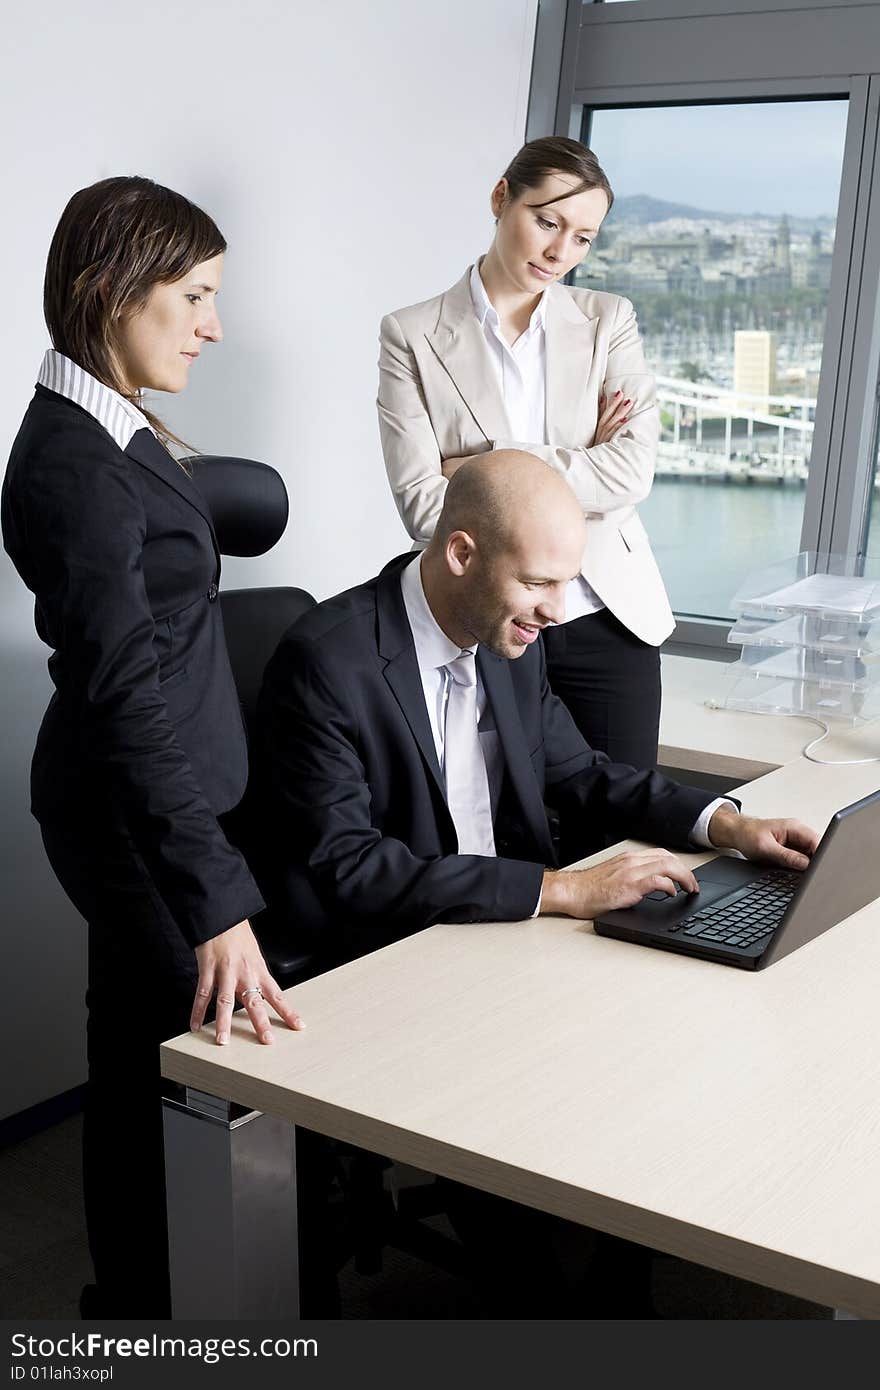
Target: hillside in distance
column 640, row 208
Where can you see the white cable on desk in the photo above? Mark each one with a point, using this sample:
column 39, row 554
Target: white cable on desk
column 807, row 751
column 829, row 762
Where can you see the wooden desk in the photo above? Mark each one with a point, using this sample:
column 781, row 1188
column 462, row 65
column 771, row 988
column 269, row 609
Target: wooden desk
column 732, row 743
column 726, row 1117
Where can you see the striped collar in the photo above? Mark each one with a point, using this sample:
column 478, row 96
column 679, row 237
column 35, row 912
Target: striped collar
column 119, row 417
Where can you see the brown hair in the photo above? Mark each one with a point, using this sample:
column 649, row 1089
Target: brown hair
column 117, row 239
column 555, row 154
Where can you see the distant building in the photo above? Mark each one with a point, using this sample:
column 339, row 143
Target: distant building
column 754, row 369
column 640, row 277
column 783, row 245
column 688, row 279
column 772, row 280
column 798, row 381
column 818, row 264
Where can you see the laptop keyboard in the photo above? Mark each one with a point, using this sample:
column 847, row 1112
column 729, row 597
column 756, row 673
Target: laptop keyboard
column 744, row 917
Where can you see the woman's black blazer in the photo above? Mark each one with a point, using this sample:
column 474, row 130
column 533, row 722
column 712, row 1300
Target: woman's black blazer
column 144, row 725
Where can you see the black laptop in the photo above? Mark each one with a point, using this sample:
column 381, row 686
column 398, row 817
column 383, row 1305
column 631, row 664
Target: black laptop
column 749, row 914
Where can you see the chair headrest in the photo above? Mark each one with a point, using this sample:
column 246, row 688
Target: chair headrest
column 247, row 500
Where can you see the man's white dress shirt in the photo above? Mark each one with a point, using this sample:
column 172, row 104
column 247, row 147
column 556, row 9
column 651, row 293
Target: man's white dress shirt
column 434, row 650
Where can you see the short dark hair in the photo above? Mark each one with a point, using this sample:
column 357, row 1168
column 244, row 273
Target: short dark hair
column 555, row 154
column 115, row 241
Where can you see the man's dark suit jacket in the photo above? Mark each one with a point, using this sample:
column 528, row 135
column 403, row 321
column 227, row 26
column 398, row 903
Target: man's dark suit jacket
column 144, row 726
column 349, row 751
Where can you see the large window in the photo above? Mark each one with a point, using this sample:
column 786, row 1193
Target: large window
column 722, row 234
column 743, row 143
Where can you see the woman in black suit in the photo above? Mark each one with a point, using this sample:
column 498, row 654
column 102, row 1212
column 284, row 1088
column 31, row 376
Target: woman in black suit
column 142, row 749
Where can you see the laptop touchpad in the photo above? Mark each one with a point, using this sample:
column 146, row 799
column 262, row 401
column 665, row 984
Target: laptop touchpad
column 717, row 878
column 732, row 873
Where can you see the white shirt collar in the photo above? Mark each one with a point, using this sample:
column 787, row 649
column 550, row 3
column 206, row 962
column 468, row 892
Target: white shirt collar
column 485, row 309
column 119, row 417
column 433, row 648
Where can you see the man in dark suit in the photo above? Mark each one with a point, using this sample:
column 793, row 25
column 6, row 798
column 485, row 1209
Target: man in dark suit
column 413, row 742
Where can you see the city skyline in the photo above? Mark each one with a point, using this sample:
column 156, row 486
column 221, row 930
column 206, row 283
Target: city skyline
column 696, row 280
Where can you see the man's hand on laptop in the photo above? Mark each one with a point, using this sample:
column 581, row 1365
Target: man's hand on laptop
column 788, row 843
column 619, row 882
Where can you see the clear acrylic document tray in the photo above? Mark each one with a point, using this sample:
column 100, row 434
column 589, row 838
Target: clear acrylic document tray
column 815, row 630
column 840, row 586
column 772, row 695
column 804, row 663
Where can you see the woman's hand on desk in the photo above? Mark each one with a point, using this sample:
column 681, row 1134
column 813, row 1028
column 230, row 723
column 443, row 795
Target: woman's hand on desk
column 787, row 842
column 619, row 882
column 233, row 964
column 613, row 413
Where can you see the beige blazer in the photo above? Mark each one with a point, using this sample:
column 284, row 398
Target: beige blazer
column 439, row 398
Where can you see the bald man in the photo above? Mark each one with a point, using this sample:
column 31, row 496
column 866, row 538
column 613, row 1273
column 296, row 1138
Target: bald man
column 413, row 743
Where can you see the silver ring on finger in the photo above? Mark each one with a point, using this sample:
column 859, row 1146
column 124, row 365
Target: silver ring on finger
column 254, row 989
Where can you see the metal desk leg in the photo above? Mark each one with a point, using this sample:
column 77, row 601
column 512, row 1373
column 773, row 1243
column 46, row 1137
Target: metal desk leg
column 231, row 1191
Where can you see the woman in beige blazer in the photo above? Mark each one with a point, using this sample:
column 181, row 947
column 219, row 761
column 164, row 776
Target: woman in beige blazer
column 512, row 357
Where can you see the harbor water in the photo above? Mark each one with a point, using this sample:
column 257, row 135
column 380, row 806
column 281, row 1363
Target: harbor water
column 707, row 535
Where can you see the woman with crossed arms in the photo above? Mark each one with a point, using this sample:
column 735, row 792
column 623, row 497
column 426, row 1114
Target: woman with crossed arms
column 511, row 357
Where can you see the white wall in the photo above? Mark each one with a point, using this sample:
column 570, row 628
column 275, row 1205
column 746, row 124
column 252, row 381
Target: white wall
column 346, row 151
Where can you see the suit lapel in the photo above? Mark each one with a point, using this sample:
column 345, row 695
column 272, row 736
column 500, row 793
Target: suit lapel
column 146, row 450
column 401, row 671
column 460, row 344
column 570, row 341
column 495, row 674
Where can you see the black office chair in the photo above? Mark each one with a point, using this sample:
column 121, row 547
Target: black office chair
column 249, row 507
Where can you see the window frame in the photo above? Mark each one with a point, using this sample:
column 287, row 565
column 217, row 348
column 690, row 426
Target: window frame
column 595, row 66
